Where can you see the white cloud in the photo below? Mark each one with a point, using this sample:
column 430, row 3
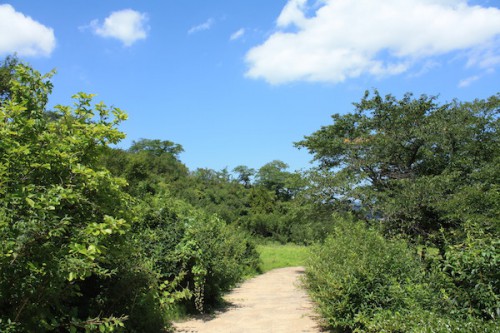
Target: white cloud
column 237, row 34
column 126, row 25
column 22, row 35
column 468, row 81
column 201, row 27
column 293, row 13
column 344, row 39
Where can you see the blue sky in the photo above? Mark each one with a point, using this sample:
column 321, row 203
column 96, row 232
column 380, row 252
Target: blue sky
column 237, row 82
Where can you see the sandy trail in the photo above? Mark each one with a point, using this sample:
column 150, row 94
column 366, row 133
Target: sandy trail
column 269, row 303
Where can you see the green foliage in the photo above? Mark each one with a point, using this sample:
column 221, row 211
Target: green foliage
column 216, row 193
column 78, row 252
column 146, row 164
column 424, row 321
column 273, row 210
column 365, row 283
column 264, row 212
column 61, row 216
column 6, row 74
column 182, row 241
column 403, row 160
column 357, row 272
column 100, row 239
column 226, row 256
column 420, row 171
column 274, row 177
column 245, row 175
column 472, row 270
column 156, row 147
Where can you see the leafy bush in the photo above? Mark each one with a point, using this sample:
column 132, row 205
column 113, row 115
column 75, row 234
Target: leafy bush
column 182, row 241
column 356, row 272
column 62, row 218
column 424, row 321
column 366, row 283
column 472, row 269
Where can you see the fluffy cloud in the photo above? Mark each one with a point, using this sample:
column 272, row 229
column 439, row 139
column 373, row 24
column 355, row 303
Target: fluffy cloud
column 237, row 34
column 22, row 35
column 126, row 25
column 333, row 40
column 203, row 26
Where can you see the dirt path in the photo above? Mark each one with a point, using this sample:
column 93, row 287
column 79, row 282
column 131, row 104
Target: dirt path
column 269, row 303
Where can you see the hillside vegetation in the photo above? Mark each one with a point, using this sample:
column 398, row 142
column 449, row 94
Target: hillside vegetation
column 402, row 215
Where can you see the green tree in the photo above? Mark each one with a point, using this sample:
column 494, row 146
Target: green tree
column 272, row 175
column 156, row 147
column 402, row 160
column 244, row 175
column 275, row 177
column 147, row 165
column 217, row 193
column 62, row 218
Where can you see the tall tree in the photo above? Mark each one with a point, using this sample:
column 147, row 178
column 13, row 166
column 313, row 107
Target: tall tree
column 156, row 147
column 244, row 175
column 147, row 165
column 273, row 176
column 402, row 159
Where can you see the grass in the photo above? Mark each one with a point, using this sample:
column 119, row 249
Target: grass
column 277, row 256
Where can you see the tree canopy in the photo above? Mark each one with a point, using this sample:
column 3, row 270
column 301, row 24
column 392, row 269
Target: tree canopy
column 404, row 160
column 156, row 147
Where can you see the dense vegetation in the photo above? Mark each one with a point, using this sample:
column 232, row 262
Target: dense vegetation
column 403, row 208
column 79, row 249
column 269, row 203
column 425, row 179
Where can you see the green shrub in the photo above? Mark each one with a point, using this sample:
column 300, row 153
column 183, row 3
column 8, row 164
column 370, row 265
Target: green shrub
column 472, row 269
column 356, row 272
column 366, row 283
column 424, row 321
column 182, row 241
column 62, row 217
column 267, row 225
